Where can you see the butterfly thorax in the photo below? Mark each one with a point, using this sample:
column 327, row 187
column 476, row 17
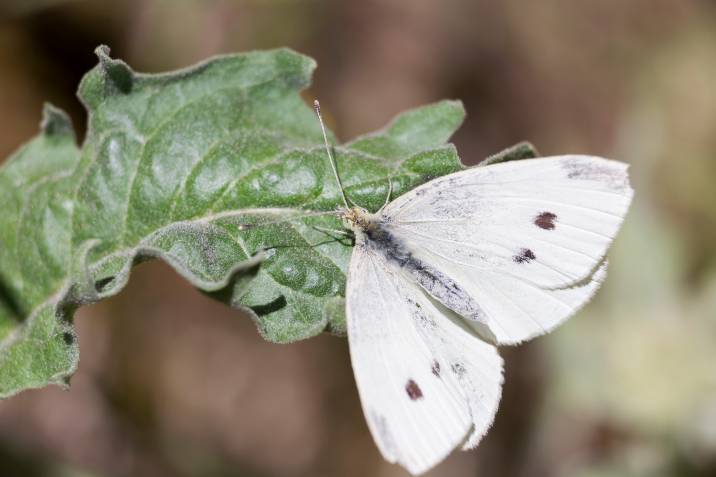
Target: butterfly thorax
column 359, row 219
column 370, row 231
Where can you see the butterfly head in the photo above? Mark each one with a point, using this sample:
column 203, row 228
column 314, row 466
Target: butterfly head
column 358, row 219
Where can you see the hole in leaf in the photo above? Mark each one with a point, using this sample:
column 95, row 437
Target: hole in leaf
column 270, row 307
column 101, row 285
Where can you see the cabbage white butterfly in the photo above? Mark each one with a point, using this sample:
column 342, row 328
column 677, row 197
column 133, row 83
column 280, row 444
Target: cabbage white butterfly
column 440, row 276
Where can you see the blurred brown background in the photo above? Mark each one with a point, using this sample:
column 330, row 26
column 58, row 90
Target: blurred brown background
column 173, row 384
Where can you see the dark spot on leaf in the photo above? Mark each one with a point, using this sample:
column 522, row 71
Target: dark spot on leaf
column 545, row 220
column 68, row 337
column 526, row 255
column 413, row 390
column 436, row 368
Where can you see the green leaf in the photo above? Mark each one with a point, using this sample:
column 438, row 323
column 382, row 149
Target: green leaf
column 177, row 166
column 521, row 150
column 413, row 131
column 38, row 346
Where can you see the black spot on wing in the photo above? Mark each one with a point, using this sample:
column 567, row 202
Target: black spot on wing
column 413, row 390
column 458, row 369
column 435, row 368
column 525, row 255
column 545, row 220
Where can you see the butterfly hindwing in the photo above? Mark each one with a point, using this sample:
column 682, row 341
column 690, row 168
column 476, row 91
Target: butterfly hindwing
column 426, row 383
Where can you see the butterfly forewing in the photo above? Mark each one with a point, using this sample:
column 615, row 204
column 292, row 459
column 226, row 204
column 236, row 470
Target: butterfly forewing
column 525, row 239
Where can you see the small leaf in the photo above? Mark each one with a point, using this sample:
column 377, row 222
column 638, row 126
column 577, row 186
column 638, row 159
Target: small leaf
column 414, row 131
column 521, row 150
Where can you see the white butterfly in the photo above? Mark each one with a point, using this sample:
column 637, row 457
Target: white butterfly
column 487, row 256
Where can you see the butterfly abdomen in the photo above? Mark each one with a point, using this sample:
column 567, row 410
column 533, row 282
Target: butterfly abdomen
column 437, row 284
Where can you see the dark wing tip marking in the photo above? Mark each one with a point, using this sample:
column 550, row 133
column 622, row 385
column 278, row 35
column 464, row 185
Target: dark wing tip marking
column 435, row 368
column 525, row 255
column 545, row 220
column 591, row 169
column 413, row 390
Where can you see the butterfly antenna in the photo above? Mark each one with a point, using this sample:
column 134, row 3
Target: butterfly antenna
column 387, row 197
column 317, row 108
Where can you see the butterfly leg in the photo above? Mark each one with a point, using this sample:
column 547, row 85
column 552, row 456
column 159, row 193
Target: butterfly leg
column 333, row 232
